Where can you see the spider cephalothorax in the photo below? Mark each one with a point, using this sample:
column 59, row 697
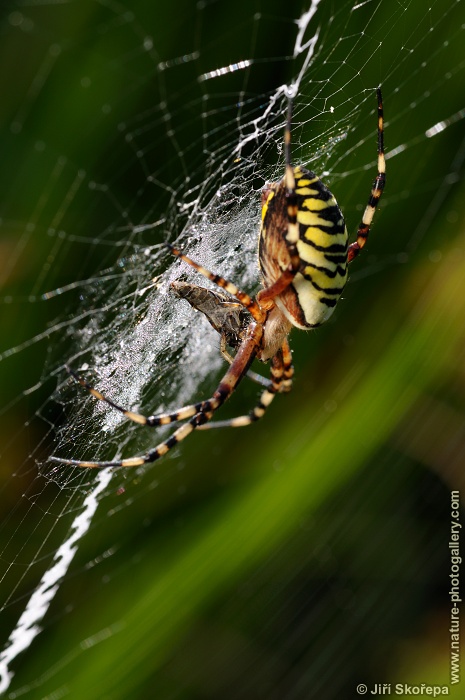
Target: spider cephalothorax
column 303, row 256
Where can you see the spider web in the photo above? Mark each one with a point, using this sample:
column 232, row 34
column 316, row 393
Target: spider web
column 126, row 126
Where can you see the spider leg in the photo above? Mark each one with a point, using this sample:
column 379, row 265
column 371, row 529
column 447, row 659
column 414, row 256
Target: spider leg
column 258, row 379
column 281, row 381
column 223, row 343
column 292, row 235
column 265, row 296
column 254, row 376
column 246, row 301
column 376, row 191
column 288, row 369
column 233, row 376
column 161, row 418
column 151, row 421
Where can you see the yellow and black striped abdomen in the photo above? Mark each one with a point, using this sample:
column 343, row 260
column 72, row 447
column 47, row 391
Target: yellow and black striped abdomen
column 322, row 248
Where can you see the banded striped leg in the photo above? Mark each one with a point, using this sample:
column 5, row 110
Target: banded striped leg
column 162, row 418
column 281, row 381
column 150, row 421
column 254, row 376
column 288, row 369
column 376, row 191
column 265, row 296
column 231, row 379
column 246, row 301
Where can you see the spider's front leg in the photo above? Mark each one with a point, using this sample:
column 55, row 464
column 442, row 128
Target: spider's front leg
column 276, row 239
column 244, row 357
column 247, row 302
column 376, row 191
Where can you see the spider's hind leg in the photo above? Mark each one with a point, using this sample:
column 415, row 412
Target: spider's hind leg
column 231, row 379
column 150, row 421
column 281, row 381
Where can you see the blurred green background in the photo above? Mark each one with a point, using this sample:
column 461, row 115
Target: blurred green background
column 309, row 553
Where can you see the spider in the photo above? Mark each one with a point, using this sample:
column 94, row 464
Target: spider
column 303, row 256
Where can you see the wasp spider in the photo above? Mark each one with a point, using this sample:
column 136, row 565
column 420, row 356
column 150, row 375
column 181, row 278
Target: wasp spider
column 303, row 255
